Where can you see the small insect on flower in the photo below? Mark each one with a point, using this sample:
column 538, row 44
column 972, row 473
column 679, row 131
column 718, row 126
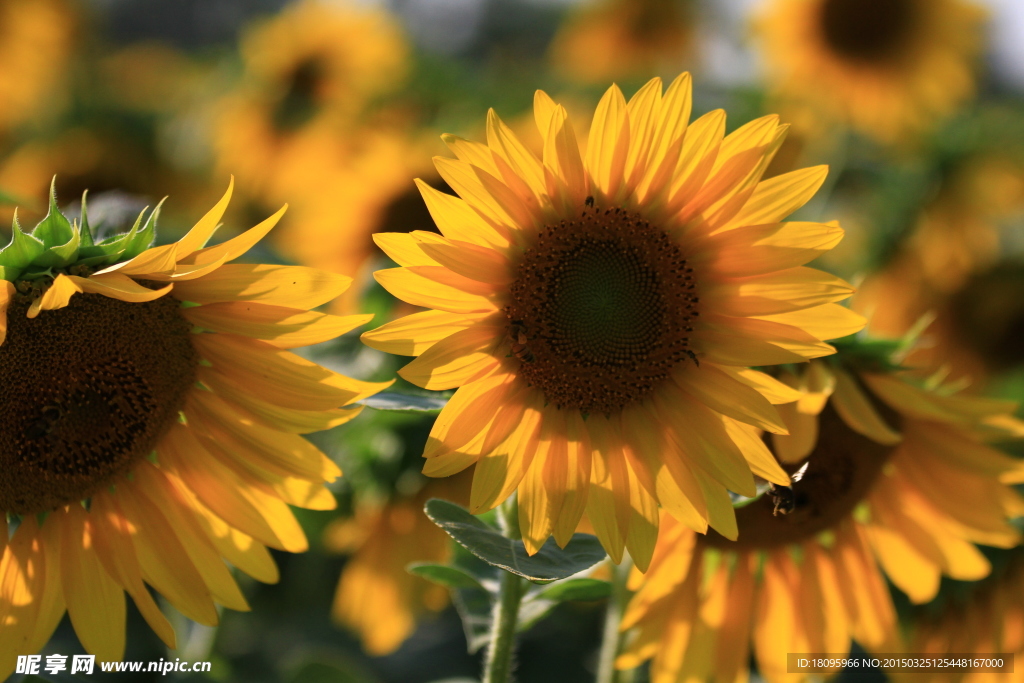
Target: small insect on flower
column 599, row 314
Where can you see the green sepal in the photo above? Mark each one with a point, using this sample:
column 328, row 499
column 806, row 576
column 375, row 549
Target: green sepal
column 84, row 229
column 21, row 252
column 550, row 563
column 61, row 255
column 55, row 229
column 110, row 250
column 145, row 237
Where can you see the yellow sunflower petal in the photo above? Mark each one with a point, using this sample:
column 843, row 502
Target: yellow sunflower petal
column 403, row 249
column 57, row 296
column 118, row 286
column 95, row 602
column 278, row 417
column 413, row 334
column 289, row 286
column 279, row 376
column 856, row 410
column 720, row 392
column 6, row 294
column 166, row 564
column 829, row 321
column 778, row 197
column 116, row 550
column 236, row 246
column 201, row 232
column 282, row 327
column 456, row 220
column 201, row 550
column 418, row 289
column 500, row 470
column 472, row 261
column 458, row 359
column 761, row 249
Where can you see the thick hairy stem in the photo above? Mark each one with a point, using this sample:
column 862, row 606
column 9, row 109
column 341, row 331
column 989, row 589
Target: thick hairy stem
column 498, row 666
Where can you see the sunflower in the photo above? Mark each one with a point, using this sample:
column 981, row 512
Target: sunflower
column 35, row 42
column 621, row 38
column 309, row 73
column 377, row 597
column 152, row 416
column 336, row 216
column 895, row 477
column 597, row 314
column 986, row 618
column 886, row 67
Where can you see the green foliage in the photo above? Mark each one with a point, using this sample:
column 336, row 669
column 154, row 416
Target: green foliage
column 406, row 403
column 57, row 244
column 549, row 564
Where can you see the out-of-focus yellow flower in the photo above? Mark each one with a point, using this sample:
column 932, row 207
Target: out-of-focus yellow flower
column 168, row 441
column 989, row 619
column 336, row 214
column 885, row 67
column 947, row 257
column 898, row 479
column 614, row 39
column 598, row 312
column 309, row 74
column 376, row 596
column 35, row 42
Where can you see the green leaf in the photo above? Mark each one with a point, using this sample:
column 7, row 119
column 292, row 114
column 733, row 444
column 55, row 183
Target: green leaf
column 390, row 400
column 55, row 229
column 145, row 237
column 549, row 564
column 577, row 589
column 445, row 575
column 19, row 254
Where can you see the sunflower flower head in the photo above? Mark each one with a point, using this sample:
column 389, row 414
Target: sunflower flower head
column 598, row 309
column 152, row 415
column 891, row 476
column 885, row 67
column 310, row 73
column 377, row 596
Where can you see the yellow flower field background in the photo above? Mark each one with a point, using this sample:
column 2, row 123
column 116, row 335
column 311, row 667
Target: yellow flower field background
column 805, row 436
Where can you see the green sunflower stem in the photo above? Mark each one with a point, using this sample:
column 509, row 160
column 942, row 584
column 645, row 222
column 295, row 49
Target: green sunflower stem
column 505, row 615
column 611, row 638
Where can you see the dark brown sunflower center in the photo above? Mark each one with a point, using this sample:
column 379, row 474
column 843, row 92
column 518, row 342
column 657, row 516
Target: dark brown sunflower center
column 87, row 390
column 868, row 30
column 840, row 472
column 601, row 310
column 302, row 96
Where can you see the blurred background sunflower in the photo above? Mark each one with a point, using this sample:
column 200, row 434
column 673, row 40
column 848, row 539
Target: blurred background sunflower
column 336, row 106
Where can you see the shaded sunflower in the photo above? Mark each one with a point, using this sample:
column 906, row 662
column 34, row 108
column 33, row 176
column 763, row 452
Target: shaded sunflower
column 573, row 297
column 377, row 597
column 622, row 38
column 985, row 618
column 35, row 42
column 151, row 419
column 895, row 477
column 309, row 73
column 886, row 67
column 336, row 215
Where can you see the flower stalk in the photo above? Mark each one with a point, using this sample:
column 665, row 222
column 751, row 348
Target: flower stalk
column 611, row 638
column 505, row 615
